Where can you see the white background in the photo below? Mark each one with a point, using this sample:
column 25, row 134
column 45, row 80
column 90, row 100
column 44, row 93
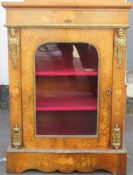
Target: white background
column 3, row 46
column 4, row 51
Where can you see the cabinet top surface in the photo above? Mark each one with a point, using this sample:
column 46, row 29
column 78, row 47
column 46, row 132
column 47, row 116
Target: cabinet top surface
column 69, row 4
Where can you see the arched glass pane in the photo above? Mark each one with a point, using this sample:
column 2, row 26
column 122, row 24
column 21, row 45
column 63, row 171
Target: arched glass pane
column 66, row 89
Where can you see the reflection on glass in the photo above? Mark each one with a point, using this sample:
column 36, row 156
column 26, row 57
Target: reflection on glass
column 66, row 89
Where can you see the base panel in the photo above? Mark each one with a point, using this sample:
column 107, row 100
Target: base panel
column 66, row 161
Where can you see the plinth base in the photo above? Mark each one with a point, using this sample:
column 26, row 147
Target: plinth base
column 66, row 161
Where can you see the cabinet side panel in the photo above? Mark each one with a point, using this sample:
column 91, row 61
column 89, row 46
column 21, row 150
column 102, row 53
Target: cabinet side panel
column 119, row 88
column 14, row 38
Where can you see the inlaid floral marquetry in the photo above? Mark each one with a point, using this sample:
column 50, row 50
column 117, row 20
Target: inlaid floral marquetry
column 67, row 85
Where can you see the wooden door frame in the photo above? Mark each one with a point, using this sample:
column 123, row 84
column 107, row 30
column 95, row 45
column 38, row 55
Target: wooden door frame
column 31, row 38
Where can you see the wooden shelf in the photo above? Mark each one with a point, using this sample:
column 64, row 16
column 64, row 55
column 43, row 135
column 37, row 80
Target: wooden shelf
column 66, row 104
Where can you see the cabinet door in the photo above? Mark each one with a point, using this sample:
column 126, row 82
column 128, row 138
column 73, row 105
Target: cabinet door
column 66, row 88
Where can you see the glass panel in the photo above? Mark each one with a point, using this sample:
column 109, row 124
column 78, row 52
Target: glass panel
column 66, row 123
column 66, row 89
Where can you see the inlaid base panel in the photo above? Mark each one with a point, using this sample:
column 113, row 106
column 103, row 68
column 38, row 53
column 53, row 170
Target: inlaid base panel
column 66, row 161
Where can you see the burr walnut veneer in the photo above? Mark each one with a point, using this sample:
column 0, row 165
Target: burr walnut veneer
column 67, row 85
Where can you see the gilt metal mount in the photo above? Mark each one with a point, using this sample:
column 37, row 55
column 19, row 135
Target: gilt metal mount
column 14, row 45
column 116, row 140
column 16, row 137
column 120, row 46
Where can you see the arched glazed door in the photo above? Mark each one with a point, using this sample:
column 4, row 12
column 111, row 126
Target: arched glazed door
column 66, row 104
column 66, row 89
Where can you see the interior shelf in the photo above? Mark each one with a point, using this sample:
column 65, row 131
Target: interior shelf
column 66, row 104
column 66, row 89
column 66, row 72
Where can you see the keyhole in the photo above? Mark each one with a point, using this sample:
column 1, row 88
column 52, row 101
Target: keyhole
column 108, row 91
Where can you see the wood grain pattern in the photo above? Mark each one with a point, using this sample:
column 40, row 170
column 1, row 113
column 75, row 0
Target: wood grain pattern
column 15, row 92
column 38, row 17
column 67, row 21
column 69, row 4
column 119, row 93
column 67, row 162
column 34, row 39
column 65, row 86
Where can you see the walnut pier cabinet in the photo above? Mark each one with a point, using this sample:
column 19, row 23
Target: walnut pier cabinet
column 67, row 85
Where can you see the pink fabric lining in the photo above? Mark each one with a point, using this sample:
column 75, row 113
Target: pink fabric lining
column 67, row 73
column 66, row 104
column 66, row 123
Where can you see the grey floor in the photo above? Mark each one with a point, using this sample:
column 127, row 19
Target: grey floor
column 4, row 140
